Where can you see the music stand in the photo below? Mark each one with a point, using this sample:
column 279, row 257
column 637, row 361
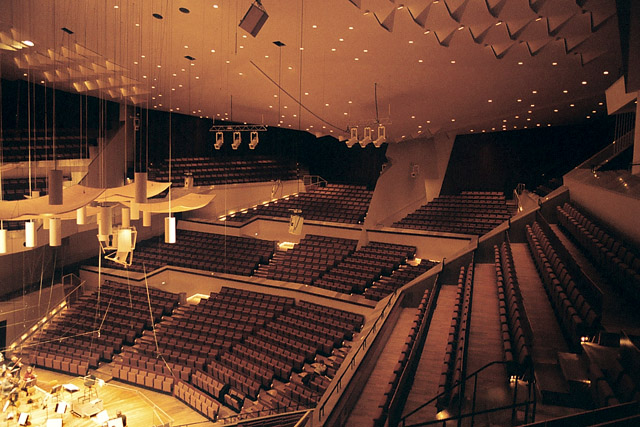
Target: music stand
column 23, row 419
column 115, row 422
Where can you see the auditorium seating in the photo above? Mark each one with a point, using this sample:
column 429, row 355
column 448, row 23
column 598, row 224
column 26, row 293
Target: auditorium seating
column 310, row 259
column 22, row 145
column 394, row 380
column 334, row 203
column 197, row 399
column 617, row 259
column 516, row 343
column 211, row 171
column 236, row 343
column 202, row 251
column 403, row 275
column 97, row 325
column 453, row 372
column 359, row 270
column 573, row 311
column 470, row 212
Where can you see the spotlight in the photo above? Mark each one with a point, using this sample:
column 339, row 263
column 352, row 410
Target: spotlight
column 254, row 19
column 219, row 140
column 253, row 140
column 237, row 140
column 353, row 139
column 382, row 136
column 367, row 137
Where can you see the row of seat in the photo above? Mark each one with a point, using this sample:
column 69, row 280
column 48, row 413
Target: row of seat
column 197, row 399
column 392, row 386
column 203, row 251
column 515, row 343
column 63, row 363
column 467, row 213
column 333, row 203
column 143, row 377
column 211, row 171
column 574, row 313
column 454, row 366
column 616, row 258
column 359, row 270
column 388, row 284
column 157, row 365
column 301, row 264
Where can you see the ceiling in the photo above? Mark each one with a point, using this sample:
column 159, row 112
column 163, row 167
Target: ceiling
column 420, row 68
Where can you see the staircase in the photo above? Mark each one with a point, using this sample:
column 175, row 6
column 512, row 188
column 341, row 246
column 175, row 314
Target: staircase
column 264, row 269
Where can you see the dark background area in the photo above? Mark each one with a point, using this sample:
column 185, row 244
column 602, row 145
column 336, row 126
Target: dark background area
column 498, row 161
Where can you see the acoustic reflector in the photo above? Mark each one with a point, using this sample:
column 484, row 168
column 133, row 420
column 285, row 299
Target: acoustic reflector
column 126, row 218
column 55, row 232
column 3, row 241
column 30, row 234
column 81, row 215
column 140, row 181
column 146, row 218
column 55, row 187
column 170, row 229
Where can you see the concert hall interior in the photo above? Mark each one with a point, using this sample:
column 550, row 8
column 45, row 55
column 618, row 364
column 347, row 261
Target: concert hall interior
column 319, row 213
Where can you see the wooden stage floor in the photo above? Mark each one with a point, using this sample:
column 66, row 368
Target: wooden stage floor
column 143, row 408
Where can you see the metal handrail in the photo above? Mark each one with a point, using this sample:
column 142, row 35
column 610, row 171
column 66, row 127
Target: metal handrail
column 314, row 180
column 475, row 374
column 351, row 365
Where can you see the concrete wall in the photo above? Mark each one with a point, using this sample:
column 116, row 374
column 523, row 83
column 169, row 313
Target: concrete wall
column 397, row 193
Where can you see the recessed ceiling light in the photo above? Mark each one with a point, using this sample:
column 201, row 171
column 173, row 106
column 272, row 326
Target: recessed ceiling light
column 605, row 72
column 565, row 91
column 572, row 105
column 25, row 74
column 186, row 46
column 533, row 105
column 427, row 32
column 539, row 18
column 135, row 62
column 453, row 120
column 351, row 28
column 244, row 36
column 529, row 111
column 326, row 105
column 420, row 60
column 333, row 49
column 534, row 91
column 504, row 120
column 554, row 63
column 594, row 111
column 341, row 39
column 517, row 117
column 314, row 26
column 197, row 77
column 179, row 85
column 498, row 23
column 413, row 117
column 144, row 77
column 116, row 7
column 137, row 25
column 584, row 82
column 215, row 6
column 520, row 63
column 588, row 117
column 600, row 103
column 453, row 61
column 28, row 43
column 489, row 100
column 174, row 74
column 519, row 100
column 356, row 59
column 142, row 56
column 428, row 121
column 461, row 27
column 410, row 41
column 290, row 67
column 159, row 66
column 366, row 51
column 350, row 102
column 555, row 110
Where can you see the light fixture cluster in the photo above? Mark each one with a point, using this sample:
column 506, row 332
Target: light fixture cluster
column 367, row 137
column 237, row 136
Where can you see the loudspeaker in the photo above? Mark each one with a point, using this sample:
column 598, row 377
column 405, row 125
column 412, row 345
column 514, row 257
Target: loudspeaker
column 254, row 19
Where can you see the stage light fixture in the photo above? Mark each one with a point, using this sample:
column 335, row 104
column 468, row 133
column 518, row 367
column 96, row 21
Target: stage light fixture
column 254, row 19
column 367, row 137
column 253, row 140
column 353, row 139
column 382, row 136
column 219, row 140
column 237, row 140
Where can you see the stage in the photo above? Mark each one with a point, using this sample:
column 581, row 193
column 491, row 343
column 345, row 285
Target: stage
column 86, row 408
